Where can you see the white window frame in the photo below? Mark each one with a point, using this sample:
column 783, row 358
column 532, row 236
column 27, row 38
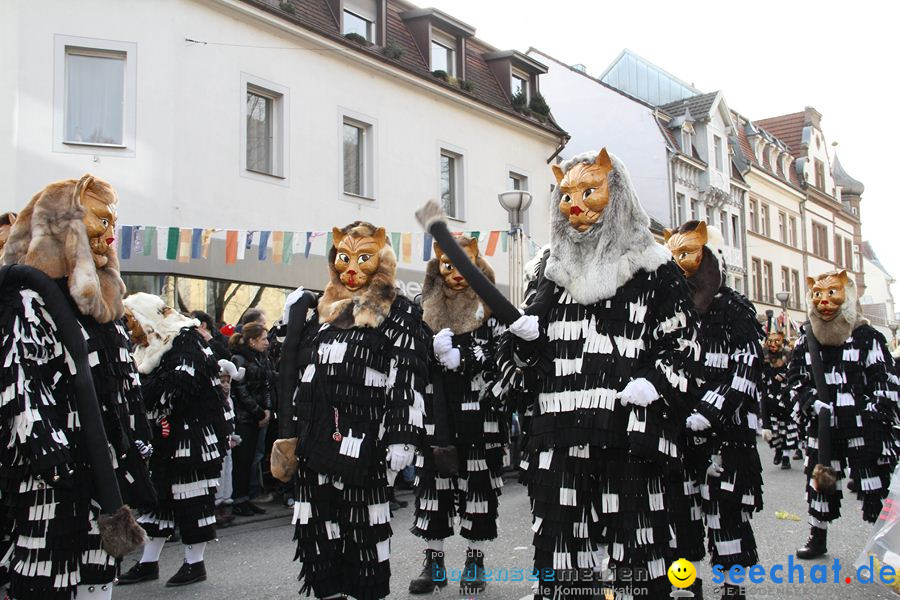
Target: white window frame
column 448, row 42
column 526, row 80
column 370, row 25
column 719, row 160
column 61, row 46
column 280, row 96
column 370, row 141
column 460, row 180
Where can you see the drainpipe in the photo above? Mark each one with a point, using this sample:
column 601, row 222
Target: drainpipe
column 671, row 173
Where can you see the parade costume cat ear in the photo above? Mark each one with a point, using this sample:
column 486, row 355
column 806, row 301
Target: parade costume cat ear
column 51, row 235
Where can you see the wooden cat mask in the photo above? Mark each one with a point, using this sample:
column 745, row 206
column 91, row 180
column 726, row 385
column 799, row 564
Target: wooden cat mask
column 584, row 191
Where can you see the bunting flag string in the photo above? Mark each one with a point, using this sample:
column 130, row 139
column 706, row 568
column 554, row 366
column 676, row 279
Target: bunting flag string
column 193, row 244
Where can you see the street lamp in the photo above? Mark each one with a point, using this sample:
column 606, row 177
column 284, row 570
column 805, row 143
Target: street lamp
column 783, row 297
column 516, row 202
column 893, row 326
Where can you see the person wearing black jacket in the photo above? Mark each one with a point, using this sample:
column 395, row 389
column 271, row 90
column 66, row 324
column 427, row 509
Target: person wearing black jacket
column 252, row 407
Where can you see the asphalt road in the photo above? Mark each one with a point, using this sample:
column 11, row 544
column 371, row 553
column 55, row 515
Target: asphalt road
column 254, row 560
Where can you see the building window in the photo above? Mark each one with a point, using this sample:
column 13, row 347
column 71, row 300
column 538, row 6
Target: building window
column 838, row 250
column 820, row 240
column 820, row 174
column 679, row 209
column 792, row 231
column 516, row 181
column 353, row 23
column 520, row 86
column 767, row 282
column 358, row 151
column 764, row 220
column 695, row 211
column 782, row 227
column 710, row 217
column 738, row 285
column 848, row 254
column 263, row 142
column 94, row 96
column 754, row 212
column 717, row 149
column 795, row 288
column 451, row 181
column 756, row 278
column 735, row 231
column 723, row 219
column 785, row 279
column 686, row 145
column 443, row 53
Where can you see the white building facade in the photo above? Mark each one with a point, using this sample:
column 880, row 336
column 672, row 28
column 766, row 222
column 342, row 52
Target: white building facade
column 263, row 116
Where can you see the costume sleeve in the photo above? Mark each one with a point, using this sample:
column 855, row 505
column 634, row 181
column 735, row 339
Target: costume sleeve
column 477, row 355
column 673, row 350
column 408, row 375
column 881, row 394
column 800, row 387
column 740, row 387
column 36, row 391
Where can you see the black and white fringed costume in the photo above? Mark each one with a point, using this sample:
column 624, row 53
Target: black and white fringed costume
column 53, row 533
column 778, row 406
column 191, row 422
column 614, row 312
column 863, row 402
column 361, row 395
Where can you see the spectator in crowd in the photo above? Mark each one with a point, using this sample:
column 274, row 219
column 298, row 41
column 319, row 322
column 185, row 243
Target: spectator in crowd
column 227, row 373
column 252, row 403
column 253, row 315
column 218, row 343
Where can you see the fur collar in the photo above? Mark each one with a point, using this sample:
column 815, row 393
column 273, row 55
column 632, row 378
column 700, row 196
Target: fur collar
column 460, row 311
column 50, row 235
column 706, row 282
column 838, row 330
column 367, row 307
column 160, row 323
column 592, row 265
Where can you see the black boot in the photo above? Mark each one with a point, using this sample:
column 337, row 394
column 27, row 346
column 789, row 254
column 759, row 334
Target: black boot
column 730, row 592
column 779, row 455
column 785, row 462
column 798, row 454
column 433, row 574
column 187, row 574
column 141, row 571
column 696, row 588
column 472, row 580
column 815, row 545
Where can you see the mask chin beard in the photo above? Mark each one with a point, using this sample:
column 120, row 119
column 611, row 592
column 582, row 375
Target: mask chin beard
column 706, row 281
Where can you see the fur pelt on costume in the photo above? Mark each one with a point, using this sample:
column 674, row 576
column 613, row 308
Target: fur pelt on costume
column 120, row 533
column 460, row 311
column 706, row 282
column 369, row 306
column 50, row 235
column 160, row 323
column 592, row 265
column 836, row 331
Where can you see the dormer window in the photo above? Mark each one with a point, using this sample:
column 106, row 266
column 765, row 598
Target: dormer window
column 520, row 87
column 353, row 23
column 360, row 17
column 443, row 52
column 686, row 141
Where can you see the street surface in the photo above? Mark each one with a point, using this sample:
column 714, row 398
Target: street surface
column 254, row 560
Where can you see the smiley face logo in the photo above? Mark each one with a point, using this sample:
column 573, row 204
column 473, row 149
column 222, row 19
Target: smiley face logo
column 682, row 573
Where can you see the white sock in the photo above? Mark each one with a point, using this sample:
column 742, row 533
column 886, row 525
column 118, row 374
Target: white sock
column 476, row 546
column 436, row 545
column 152, row 549
column 95, row 592
column 334, row 596
column 193, row 553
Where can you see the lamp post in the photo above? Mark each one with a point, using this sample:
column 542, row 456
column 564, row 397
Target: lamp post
column 783, row 297
column 893, row 326
column 516, row 202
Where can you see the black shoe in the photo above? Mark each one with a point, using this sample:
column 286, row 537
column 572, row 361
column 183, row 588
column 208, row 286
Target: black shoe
column 816, row 545
column 785, row 462
column 433, row 574
column 141, row 571
column 472, row 581
column 242, row 510
column 730, row 591
column 398, row 504
column 188, row 574
column 798, row 455
column 779, row 456
column 256, row 509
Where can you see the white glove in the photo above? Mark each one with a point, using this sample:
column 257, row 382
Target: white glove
column 767, row 435
column 526, row 327
column 450, row 359
column 697, row 422
column 715, row 467
column 818, row 405
column 289, row 302
column 400, row 456
column 443, row 342
column 639, row 392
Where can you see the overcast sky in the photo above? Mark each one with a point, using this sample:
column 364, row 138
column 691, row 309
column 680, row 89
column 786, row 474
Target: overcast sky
column 769, row 58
